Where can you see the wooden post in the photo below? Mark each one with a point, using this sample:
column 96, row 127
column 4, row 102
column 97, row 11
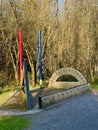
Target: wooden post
column 20, row 55
column 27, row 87
column 40, row 56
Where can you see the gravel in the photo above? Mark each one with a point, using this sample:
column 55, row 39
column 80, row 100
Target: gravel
column 77, row 113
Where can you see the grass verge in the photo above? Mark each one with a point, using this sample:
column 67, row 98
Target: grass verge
column 94, row 85
column 13, row 122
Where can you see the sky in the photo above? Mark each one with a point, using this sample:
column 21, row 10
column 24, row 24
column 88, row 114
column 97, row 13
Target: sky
column 61, row 2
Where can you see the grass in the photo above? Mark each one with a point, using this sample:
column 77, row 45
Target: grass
column 4, row 97
column 94, row 85
column 6, row 89
column 13, row 122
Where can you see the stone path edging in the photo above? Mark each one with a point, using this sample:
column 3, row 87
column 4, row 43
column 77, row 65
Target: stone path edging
column 17, row 113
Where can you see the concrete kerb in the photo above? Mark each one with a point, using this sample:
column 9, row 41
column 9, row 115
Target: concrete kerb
column 18, row 113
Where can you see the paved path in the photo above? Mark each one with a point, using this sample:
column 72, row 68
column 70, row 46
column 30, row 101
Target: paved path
column 77, row 113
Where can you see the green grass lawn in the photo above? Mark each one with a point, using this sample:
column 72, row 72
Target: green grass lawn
column 13, row 122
